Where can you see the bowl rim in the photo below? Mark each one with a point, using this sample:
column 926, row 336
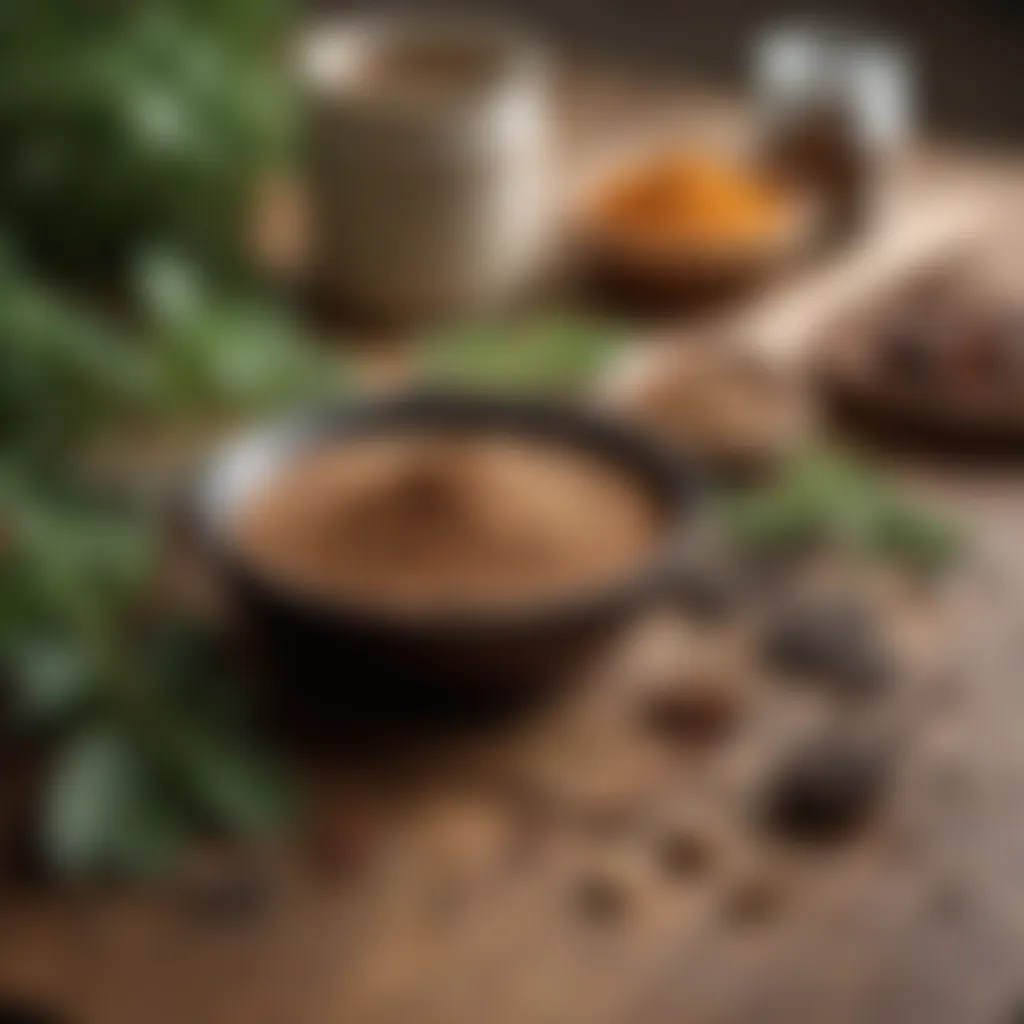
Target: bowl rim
column 234, row 473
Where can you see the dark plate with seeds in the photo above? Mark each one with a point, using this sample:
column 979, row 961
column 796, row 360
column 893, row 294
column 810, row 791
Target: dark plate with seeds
column 938, row 363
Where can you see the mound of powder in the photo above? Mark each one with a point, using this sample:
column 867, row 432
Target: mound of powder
column 449, row 520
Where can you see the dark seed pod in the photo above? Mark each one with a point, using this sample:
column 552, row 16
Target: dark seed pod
column 825, row 790
column 833, row 641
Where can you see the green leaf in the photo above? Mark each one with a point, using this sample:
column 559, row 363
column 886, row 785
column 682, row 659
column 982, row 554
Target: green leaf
column 915, row 538
column 169, row 287
column 93, row 783
column 51, row 678
column 232, row 786
column 554, row 353
column 152, row 830
column 111, row 809
column 830, row 498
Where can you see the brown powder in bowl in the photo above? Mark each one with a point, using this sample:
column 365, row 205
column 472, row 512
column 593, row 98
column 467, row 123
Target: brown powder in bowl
column 449, row 521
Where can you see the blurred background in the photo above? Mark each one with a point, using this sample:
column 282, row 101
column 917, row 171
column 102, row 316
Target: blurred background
column 967, row 51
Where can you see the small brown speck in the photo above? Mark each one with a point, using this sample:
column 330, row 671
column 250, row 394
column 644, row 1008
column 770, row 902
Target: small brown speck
column 754, row 898
column 685, row 852
column 603, row 894
column 699, row 713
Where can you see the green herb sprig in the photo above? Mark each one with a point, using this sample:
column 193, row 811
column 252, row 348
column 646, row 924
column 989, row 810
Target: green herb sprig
column 154, row 742
column 556, row 353
column 825, row 498
column 135, row 138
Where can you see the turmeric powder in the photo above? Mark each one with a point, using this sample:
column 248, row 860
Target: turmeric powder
column 688, row 199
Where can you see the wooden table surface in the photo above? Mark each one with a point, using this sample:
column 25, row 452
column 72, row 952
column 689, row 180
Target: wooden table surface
column 519, row 877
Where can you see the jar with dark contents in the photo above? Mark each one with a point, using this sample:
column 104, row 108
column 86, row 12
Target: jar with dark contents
column 834, row 109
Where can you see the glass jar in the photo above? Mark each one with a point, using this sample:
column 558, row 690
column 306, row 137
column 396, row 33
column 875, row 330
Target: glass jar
column 835, row 107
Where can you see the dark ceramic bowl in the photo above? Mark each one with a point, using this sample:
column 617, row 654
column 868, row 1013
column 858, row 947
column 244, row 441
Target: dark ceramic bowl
column 335, row 657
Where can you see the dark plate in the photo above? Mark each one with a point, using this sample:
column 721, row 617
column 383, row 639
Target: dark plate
column 335, row 657
column 946, row 409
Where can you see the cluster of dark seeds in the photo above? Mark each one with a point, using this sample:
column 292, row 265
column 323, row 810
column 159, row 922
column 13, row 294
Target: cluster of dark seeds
column 834, row 641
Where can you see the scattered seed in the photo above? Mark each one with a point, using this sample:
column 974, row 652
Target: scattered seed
column 754, row 898
column 697, row 712
column 684, row 852
column 834, row 642
column 825, row 790
column 605, row 892
column 601, row 898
